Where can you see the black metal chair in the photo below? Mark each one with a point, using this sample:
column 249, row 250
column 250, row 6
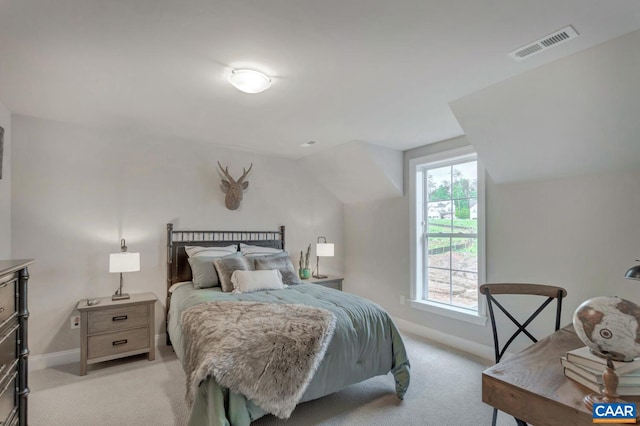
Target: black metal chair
column 491, row 290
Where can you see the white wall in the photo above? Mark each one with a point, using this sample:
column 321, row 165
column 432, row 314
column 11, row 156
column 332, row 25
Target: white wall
column 5, row 186
column 570, row 117
column 580, row 233
column 78, row 191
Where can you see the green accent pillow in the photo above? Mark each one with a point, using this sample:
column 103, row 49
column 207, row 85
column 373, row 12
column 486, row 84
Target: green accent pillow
column 203, row 272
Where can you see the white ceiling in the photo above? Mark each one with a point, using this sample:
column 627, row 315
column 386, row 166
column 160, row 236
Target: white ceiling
column 375, row 71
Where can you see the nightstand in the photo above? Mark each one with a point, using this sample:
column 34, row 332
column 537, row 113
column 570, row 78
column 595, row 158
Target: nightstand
column 331, row 281
column 114, row 329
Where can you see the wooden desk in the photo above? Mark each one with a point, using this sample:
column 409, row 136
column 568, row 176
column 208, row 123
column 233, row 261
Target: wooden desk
column 532, row 387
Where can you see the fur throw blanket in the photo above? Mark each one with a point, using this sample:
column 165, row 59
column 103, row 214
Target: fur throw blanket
column 267, row 352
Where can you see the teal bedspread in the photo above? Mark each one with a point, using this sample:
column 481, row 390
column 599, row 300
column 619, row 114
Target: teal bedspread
column 366, row 343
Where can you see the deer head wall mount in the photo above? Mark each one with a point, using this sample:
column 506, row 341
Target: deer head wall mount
column 232, row 188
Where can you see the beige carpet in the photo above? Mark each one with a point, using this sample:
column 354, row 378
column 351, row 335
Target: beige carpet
column 445, row 390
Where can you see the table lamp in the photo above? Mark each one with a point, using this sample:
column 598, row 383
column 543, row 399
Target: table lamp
column 123, row 262
column 323, row 249
column 633, row 273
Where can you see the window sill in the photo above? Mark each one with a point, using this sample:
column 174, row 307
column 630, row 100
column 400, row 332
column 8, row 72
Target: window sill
column 451, row 312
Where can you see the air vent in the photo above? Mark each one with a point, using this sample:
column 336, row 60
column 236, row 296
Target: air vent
column 544, row 43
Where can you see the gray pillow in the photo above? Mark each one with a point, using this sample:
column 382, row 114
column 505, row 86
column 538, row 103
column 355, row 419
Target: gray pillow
column 281, row 262
column 203, row 272
column 227, row 264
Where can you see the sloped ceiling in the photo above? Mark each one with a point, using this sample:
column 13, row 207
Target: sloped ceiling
column 358, row 171
column 377, row 71
column 577, row 115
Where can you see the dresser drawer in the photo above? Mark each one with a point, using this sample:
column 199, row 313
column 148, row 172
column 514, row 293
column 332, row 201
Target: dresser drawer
column 13, row 419
column 115, row 319
column 108, row 344
column 8, row 348
column 8, row 395
column 7, row 296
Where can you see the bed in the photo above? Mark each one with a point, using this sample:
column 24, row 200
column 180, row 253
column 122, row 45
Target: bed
column 363, row 341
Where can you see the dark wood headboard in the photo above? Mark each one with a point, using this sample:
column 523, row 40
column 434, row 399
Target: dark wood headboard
column 178, row 268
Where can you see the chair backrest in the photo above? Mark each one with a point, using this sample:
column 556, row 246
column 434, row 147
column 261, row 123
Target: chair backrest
column 491, row 290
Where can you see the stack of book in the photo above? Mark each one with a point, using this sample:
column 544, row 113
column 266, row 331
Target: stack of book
column 587, row 369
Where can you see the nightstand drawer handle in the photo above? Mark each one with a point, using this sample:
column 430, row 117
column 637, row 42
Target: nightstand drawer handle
column 1, row 310
column 119, row 318
column 119, row 342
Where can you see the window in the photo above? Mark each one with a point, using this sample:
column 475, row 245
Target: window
column 447, row 192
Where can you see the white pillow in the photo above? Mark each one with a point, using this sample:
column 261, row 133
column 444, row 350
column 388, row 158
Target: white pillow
column 250, row 251
column 175, row 286
column 195, row 251
column 248, row 281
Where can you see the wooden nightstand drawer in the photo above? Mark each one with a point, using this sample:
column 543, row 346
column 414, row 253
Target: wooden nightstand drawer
column 105, row 345
column 329, row 281
column 115, row 319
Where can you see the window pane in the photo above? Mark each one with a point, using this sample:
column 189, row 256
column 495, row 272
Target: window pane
column 466, row 226
column 439, row 285
column 465, row 289
column 464, row 180
column 439, row 252
column 439, row 184
column 464, row 255
column 465, row 192
column 439, row 217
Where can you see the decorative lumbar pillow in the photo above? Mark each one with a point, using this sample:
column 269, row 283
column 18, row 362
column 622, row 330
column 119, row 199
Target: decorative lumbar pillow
column 249, row 250
column 248, row 281
column 282, row 263
column 226, row 265
column 197, row 251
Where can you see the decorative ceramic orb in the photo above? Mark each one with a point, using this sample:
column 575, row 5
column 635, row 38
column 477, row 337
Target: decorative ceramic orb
column 609, row 326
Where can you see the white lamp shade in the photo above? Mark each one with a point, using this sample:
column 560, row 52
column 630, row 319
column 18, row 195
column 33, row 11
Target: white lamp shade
column 124, row 262
column 324, row 249
column 249, row 81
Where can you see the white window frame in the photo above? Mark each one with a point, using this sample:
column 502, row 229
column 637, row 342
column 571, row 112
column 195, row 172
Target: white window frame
column 417, row 210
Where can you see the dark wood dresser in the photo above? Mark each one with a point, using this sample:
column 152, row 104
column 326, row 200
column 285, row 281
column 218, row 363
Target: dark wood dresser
column 14, row 349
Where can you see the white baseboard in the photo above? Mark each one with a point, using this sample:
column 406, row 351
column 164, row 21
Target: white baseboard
column 483, row 351
column 38, row 362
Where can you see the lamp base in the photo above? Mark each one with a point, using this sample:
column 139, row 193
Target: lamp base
column 320, row 276
column 120, row 296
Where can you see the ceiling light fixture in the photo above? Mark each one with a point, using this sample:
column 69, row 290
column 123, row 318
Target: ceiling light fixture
column 249, row 81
